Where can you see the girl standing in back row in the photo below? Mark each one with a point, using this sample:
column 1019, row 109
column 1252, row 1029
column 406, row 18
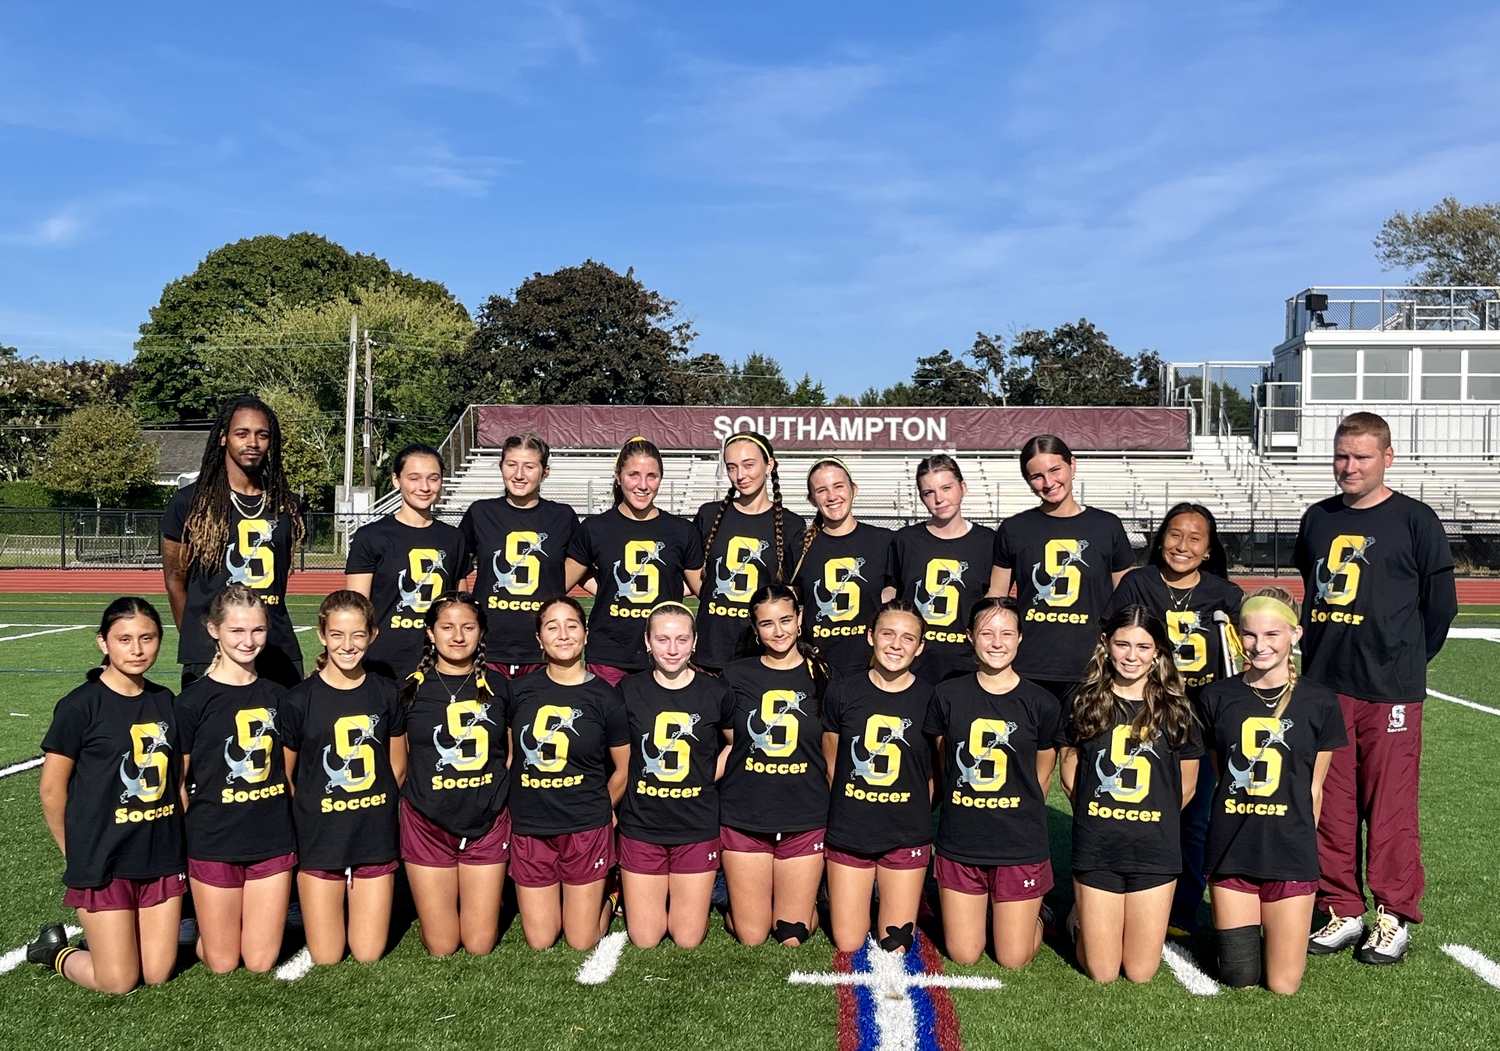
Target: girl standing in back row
column 843, row 570
column 639, row 556
column 749, row 540
column 941, row 567
column 1065, row 560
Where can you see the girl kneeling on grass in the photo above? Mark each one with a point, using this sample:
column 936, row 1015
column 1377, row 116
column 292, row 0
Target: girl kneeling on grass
column 773, row 802
column 570, row 743
column 125, row 869
column 996, row 735
column 350, row 730
column 1130, row 749
column 241, row 847
column 669, row 818
column 880, row 818
column 1272, row 738
column 455, row 830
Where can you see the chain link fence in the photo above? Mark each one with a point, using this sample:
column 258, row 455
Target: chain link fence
column 113, row 539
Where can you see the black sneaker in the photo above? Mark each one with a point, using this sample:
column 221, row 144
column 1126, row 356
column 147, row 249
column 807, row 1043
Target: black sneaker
column 52, row 940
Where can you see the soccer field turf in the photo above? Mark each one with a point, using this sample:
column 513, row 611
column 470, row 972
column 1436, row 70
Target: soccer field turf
column 726, row 996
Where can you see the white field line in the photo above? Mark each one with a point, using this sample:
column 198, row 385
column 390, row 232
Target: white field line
column 296, row 967
column 1487, row 969
column 17, row 956
column 1460, row 700
column 601, row 963
column 1187, row 972
column 49, row 631
column 305, row 627
column 1487, row 634
column 22, row 767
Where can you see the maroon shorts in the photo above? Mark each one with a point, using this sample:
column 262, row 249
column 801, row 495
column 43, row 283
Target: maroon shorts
column 358, row 872
column 608, row 672
column 780, row 845
column 1267, row 890
column 577, row 859
column 232, row 876
column 653, row 859
column 511, row 671
column 1000, row 882
column 120, row 894
column 900, row 858
column 423, row 843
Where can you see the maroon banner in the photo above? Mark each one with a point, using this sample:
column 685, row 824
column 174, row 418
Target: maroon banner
column 680, row 427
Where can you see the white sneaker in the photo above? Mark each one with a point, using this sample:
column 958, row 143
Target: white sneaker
column 1388, row 940
column 1336, row 935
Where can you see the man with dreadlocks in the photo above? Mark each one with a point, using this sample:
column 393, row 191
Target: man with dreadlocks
column 238, row 523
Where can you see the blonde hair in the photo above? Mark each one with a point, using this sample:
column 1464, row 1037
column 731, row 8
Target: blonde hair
column 234, row 596
column 1283, row 596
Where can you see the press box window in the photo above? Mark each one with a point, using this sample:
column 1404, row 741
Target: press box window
column 1387, row 375
column 1442, row 375
column 1335, row 375
column 1484, row 375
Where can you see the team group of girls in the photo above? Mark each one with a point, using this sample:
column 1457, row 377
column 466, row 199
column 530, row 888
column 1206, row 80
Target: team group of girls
column 837, row 683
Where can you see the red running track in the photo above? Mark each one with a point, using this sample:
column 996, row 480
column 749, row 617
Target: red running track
column 1471, row 590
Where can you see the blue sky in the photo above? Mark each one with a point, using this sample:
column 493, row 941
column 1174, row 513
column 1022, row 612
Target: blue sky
column 841, row 186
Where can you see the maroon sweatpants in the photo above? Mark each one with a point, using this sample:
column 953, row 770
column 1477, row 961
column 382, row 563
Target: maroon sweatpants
column 1371, row 789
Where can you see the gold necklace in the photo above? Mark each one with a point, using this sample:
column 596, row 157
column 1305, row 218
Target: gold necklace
column 1273, row 701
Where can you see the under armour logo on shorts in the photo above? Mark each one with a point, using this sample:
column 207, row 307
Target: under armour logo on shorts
column 1397, row 721
column 713, row 855
column 1028, row 883
column 916, row 852
column 599, row 864
column 817, row 847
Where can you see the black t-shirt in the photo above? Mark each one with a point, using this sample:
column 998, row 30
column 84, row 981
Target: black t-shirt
column 455, row 774
column 880, row 795
column 239, row 807
column 345, row 806
column 522, row 556
column 1373, row 577
column 122, row 817
column 1189, row 616
column 994, row 810
column 412, row 567
column 775, row 779
column 671, row 797
column 742, row 561
column 637, row 565
column 258, row 555
column 840, row 581
column 1127, row 797
column 1262, row 825
column 1063, row 570
column 559, row 775
column 943, row 579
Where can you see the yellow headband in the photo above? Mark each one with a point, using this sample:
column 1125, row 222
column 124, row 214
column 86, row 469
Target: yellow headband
column 1271, row 605
column 672, row 606
column 824, row 461
column 637, row 438
column 745, row 436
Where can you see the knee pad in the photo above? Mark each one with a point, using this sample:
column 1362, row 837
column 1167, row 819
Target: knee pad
column 903, row 937
column 785, row 932
column 1239, row 957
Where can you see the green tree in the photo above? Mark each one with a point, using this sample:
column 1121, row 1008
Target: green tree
column 98, row 452
column 311, row 444
column 807, row 393
column 580, row 335
column 1075, row 364
column 303, row 351
column 1452, row 244
column 758, row 380
column 238, row 280
column 36, row 394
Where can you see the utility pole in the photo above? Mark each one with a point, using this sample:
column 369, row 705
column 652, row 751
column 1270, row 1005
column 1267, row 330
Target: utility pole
column 349, row 407
column 369, row 409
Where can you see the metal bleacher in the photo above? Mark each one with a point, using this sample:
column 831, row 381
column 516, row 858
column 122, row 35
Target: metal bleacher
column 1226, row 474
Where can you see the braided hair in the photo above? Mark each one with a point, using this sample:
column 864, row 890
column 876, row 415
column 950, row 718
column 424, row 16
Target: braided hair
column 815, row 529
column 205, row 532
column 1283, row 596
column 428, row 664
column 233, row 596
column 764, row 445
column 751, row 646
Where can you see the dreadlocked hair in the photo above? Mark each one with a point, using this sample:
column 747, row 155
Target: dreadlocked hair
column 751, row 646
column 342, row 601
column 428, row 662
column 637, row 446
column 121, row 609
column 1164, row 707
column 815, row 529
column 233, row 596
column 764, row 446
column 205, row 531
column 1284, row 596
